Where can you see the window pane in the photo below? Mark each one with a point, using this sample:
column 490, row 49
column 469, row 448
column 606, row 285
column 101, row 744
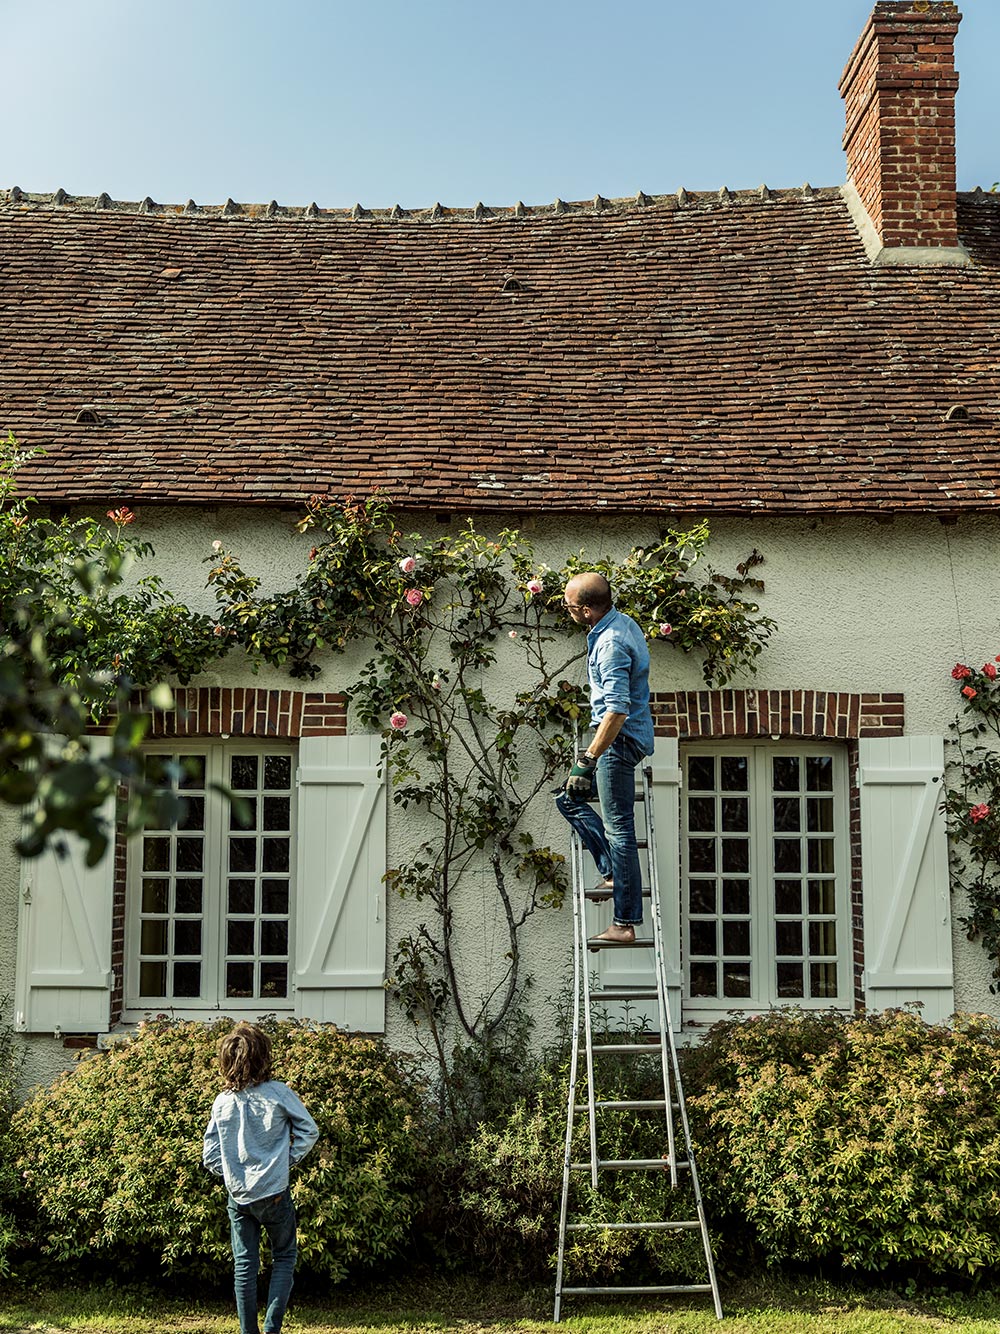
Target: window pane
column 276, row 854
column 192, row 772
column 239, row 937
column 701, row 854
column 701, row 896
column 822, row 897
column 821, row 855
column 736, row 979
column 785, row 770
column 703, row 981
column 819, row 773
column 274, row 937
column 701, row 773
column 701, row 814
column 788, row 896
column 735, row 815
column 789, row 977
column 735, row 938
column 278, row 772
column 734, row 773
column 243, row 813
column 786, row 815
column 787, row 854
column 187, row 980
column 788, row 937
column 277, row 813
column 188, row 895
column 273, row 979
column 822, row 937
column 187, row 937
column 242, row 896
column 820, row 815
column 153, row 937
column 157, row 769
column 736, row 855
column 156, row 854
column 192, row 813
column 274, row 896
column 823, row 980
column 736, row 896
column 190, row 854
column 154, row 895
column 239, row 980
column 242, row 854
column 243, row 771
column 152, row 979
column 702, row 936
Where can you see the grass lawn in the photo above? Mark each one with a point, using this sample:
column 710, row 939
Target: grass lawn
column 775, row 1306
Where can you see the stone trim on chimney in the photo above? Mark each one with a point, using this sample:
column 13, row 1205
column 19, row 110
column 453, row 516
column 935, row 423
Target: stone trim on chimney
column 899, row 90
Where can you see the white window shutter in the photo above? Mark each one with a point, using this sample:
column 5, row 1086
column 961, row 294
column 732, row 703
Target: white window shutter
column 904, row 854
column 64, row 978
column 634, row 968
column 340, row 897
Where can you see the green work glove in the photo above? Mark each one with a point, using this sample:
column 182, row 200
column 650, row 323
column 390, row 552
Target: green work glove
column 580, row 783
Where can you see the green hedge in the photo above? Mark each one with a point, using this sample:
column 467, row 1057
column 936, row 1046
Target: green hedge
column 110, row 1155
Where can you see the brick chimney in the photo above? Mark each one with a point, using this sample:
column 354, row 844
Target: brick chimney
column 899, row 97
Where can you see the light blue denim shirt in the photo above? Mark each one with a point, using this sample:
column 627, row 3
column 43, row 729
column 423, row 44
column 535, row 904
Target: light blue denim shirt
column 254, row 1136
column 618, row 671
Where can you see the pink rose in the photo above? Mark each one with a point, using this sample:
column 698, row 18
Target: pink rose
column 666, row 628
column 534, row 586
column 436, row 683
column 960, row 672
column 414, row 597
column 980, row 812
column 398, row 721
column 121, row 517
column 408, row 564
column 969, row 693
column 216, row 545
column 512, row 634
column 990, row 670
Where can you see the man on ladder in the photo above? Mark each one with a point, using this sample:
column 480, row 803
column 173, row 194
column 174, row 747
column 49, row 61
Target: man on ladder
column 618, row 674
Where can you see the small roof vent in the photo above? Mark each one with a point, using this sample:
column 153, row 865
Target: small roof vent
column 513, row 285
column 958, row 412
column 88, row 416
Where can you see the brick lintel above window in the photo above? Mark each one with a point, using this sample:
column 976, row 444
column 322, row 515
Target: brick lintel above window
column 829, row 714
column 248, row 711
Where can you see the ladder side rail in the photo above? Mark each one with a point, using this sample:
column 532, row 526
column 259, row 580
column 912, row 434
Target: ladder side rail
column 580, row 920
column 576, row 858
column 659, row 957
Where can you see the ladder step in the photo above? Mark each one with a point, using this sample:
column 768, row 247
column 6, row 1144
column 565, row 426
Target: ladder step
column 629, row 1165
column 603, row 895
column 632, row 1105
column 625, row 1048
column 625, row 993
column 683, row 1225
column 613, row 1292
column 640, row 943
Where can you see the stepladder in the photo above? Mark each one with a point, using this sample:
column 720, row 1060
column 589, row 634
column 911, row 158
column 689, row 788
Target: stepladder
column 632, row 1220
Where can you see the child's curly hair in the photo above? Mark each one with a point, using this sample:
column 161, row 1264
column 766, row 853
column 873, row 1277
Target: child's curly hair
column 244, row 1057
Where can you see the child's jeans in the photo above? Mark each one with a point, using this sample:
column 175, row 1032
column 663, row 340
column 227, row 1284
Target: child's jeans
column 276, row 1215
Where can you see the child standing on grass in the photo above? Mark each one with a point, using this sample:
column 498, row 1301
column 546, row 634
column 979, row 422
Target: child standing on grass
column 258, row 1130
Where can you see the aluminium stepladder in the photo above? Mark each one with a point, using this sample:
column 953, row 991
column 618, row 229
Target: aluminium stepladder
column 679, row 1157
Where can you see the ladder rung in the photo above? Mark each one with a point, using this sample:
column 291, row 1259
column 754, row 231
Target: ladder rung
column 640, row 943
column 633, row 1105
column 629, row 1165
column 686, row 1224
column 613, row 1292
column 625, row 1048
column 625, row 993
column 602, row 895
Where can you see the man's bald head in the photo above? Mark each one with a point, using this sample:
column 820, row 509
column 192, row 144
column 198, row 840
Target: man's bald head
column 590, row 589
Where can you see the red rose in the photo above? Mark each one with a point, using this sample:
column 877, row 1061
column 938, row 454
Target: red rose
column 969, row 693
column 960, row 672
column 990, row 670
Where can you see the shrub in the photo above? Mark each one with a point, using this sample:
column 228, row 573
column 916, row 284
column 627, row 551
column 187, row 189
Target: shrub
column 111, row 1153
column 10, row 1064
column 873, row 1141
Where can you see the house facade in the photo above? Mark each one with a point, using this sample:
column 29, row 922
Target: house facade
column 817, row 371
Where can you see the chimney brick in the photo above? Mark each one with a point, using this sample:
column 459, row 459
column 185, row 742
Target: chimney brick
column 899, row 98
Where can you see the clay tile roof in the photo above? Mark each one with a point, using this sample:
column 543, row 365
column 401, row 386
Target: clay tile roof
column 732, row 351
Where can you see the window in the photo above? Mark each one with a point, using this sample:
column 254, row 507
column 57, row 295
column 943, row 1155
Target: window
column 210, row 897
column 765, row 877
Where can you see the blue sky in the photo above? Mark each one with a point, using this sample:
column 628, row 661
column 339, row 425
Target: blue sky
column 413, row 101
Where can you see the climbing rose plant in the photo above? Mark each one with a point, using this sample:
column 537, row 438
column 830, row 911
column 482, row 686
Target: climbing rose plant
column 472, row 680
column 972, row 805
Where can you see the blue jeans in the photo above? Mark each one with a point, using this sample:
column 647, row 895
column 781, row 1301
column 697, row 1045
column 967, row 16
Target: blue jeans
column 611, row 841
column 276, row 1215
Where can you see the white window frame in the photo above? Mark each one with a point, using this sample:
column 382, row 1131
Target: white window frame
column 763, row 983
column 212, row 1000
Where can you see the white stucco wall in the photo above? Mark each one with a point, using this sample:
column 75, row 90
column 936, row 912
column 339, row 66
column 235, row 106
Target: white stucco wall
column 860, row 606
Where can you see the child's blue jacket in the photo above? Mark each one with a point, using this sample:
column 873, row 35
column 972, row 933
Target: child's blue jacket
column 254, row 1136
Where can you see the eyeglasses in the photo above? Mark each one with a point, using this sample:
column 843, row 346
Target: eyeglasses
column 574, row 606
